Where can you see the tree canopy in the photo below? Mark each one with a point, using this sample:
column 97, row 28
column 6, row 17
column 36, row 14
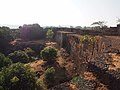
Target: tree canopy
column 17, row 77
column 49, row 54
column 5, row 38
column 19, row 56
column 4, row 61
column 99, row 23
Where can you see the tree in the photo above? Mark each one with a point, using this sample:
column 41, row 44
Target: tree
column 31, row 32
column 99, row 23
column 19, row 56
column 71, row 26
column 49, row 54
column 78, row 27
column 50, row 34
column 4, row 61
column 5, row 38
column 15, row 33
column 17, row 77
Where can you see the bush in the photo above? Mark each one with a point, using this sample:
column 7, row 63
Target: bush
column 4, row 61
column 87, row 39
column 17, row 77
column 84, row 84
column 49, row 75
column 30, row 53
column 50, row 34
column 49, row 54
column 41, row 85
column 19, row 56
column 5, row 38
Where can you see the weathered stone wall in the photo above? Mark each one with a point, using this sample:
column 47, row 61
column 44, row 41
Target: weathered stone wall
column 93, row 57
column 62, row 40
column 83, row 53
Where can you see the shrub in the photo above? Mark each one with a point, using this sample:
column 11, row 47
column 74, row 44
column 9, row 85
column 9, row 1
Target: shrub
column 87, row 39
column 19, row 56
column 17, row 77
column 49, row 75
column 4, row 61
column 49, row 54
column 30, row 53
column 50, row 34
column 41, row 85
column 83, row 83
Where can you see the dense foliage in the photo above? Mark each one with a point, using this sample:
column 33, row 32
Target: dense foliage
column 15, row 33
column 49, row 75
column 4, row 61
column 50, row 34
column 30, row 53
column 31, row 32
column 87, row 39
column 41, row 85
column 5, row 38
column 19, row 56
column 49, row 54
column 17, row 77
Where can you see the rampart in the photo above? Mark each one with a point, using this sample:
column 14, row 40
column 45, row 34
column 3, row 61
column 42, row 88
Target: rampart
column 112, row 31
column 92, row 57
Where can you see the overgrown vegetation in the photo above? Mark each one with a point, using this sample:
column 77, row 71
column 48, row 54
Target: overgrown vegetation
column 84, row 84
column 17, row 77
column 19, row 56
column 31, row 32
column 30, row 53
column 50, row 34
column 49, row 76
column 4, row 61
column 87, row 39
column 15, row 74
column 5, row 38
column 49, row 54
column 41, row 85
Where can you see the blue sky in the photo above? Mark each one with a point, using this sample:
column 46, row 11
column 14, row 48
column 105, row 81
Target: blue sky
column 59, row 12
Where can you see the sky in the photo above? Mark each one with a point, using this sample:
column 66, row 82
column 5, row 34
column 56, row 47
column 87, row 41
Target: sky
column 59, row 12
